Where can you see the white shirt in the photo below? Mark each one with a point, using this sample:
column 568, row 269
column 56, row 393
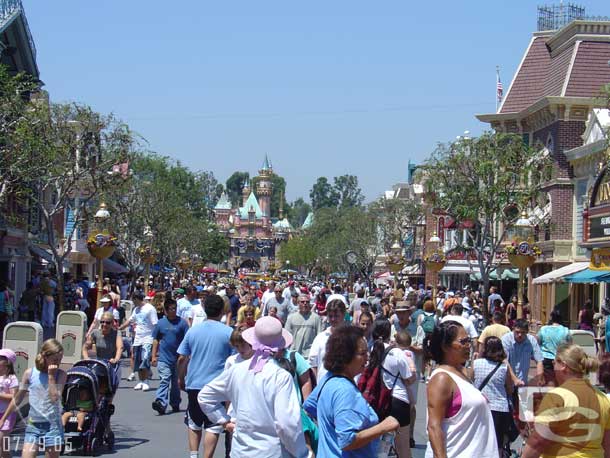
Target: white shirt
column 396, row 364
column 468, row 326
column 268, row 294
column 266, row 407
column 184, row 306
column 198, row 315
column 99, row 312
column 145, row 318
column 317, row 352
column 287, row 293
column 334, row 296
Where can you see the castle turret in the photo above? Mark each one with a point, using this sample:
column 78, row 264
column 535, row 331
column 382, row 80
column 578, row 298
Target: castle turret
column 264, row 187
column 245, row 193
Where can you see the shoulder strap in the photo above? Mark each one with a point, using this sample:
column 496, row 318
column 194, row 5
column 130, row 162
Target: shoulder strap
column 329, row 379
column 489, row 376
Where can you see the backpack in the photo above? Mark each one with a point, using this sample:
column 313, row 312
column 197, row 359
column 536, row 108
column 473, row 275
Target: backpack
column 428, row 323
column 376, row 393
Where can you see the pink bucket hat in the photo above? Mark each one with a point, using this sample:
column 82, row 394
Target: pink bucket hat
column 268, row 332
column 9, row 354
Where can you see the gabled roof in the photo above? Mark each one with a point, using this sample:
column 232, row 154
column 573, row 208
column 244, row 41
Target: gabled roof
column 251, row 203
column 572, row 62
column 223, row 203
column 308, row 221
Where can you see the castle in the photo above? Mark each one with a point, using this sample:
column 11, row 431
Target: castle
column 253, row 235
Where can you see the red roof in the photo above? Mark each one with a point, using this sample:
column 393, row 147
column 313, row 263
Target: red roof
column 542, row 75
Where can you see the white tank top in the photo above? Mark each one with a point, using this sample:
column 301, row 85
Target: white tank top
column 470, row 432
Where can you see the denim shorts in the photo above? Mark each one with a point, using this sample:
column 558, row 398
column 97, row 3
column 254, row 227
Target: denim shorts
column 44, row 434
column 141, row 357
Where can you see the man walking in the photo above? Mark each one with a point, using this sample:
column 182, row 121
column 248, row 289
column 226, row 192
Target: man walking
column 144, row 316
column 335, row 312
column 202, row 356
column 521, row 348
column 304, row 326
column 167, row 337
column 279, row 302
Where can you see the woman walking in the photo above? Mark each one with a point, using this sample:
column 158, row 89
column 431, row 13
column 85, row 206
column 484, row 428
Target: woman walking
column 550, row 337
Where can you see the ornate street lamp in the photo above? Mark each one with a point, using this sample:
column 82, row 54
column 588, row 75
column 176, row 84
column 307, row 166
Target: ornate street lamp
column 184, row 262
column 147, row 255
column 435, row 261
column 287, row 267
column 522, row 253
column 101, row 244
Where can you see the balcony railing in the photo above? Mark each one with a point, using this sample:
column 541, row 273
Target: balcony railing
column 9, row 10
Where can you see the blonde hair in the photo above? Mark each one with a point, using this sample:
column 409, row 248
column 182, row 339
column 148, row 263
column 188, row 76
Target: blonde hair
column 49, row 347
column 108, row 315
column 576, row 359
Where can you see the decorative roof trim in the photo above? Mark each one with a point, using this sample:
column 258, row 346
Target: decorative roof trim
column 593, row 102
column 585, row 150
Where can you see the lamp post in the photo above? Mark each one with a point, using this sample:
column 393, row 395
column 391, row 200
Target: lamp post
column 522, row 254
column 101, row 244
column 287, row 267
column 147, row 255
column 435, row 261
column 184, row 262
column 395, row 261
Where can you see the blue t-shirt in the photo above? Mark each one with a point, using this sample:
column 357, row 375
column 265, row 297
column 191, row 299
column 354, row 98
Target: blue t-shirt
column 208, row 346
column 607, row 333
column 341, row 412
column 170, row 335
column 412, row 326
column 550, row 338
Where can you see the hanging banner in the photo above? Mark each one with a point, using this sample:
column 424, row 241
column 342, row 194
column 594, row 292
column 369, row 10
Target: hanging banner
column 600, row 259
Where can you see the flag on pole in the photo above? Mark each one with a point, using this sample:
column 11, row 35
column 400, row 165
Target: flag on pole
column 499, row 89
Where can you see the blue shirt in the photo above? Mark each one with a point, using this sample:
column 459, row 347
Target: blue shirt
column 550, row 338
column 607, row 333
column 170, row 335
column 412, row 327
column 520, row 354
column 208, row 346
column 341, row 412
column 184, row 306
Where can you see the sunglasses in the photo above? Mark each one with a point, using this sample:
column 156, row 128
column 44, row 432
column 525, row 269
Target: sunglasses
column 106, row 322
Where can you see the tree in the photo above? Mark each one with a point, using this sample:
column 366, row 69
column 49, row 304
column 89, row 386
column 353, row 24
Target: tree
column 300, row 251
column 396, row 219
column 323, row 195
column 478, row 180
column 299, row 209
column 234, row 187
column 347, row 191
column 21, row 141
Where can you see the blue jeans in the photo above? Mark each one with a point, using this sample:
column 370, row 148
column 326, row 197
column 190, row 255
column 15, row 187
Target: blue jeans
column 168, row 386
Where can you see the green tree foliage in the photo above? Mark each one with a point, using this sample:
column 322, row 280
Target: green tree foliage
column 395, row 219
column 478, row 179
column 235, row 185
column 299, row 209
column 348, row 192
column 323, row 195
column 20, row 142
column 300, row 251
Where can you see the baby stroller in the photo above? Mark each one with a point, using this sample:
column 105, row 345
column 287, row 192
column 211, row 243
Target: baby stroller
column 99, row 380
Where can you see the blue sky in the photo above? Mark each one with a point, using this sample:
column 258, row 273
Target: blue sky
column 325, row 88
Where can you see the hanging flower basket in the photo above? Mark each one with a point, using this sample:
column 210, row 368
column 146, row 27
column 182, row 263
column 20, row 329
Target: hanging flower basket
column 435, row 262
column 147, row 255
column 101, row 245
column 522, row 254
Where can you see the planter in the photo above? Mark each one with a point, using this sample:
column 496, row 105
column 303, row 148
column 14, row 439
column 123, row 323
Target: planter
column 395, row 267
column 522, row 261
column 101, row 252
column 435, row 266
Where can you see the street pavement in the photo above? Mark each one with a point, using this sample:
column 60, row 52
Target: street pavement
column 142, row 433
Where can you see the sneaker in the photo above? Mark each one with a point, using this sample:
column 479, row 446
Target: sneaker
column 145, row 387
column 132, row 377
column 138, row 386
column 156, row 405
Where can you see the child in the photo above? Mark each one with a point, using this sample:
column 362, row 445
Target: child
column 8, row 388
column 45, row 384
column 273, row 313
column 84, row 405
column 403, row 341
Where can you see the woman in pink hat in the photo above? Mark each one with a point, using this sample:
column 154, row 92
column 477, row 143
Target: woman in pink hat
column 8, row 388
column 266, row 406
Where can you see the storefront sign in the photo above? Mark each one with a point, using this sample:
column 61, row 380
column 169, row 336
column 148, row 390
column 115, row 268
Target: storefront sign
column 599, row 227
column 603, row 191
column 600, row 259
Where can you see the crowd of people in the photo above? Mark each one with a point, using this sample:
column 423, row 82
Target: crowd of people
column 297, row 369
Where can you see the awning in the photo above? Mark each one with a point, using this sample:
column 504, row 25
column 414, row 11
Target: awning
column 459, row 267
column 414, row 269
column 589, row 276
column 559, row 274
column 42, row 253
column 114, row 267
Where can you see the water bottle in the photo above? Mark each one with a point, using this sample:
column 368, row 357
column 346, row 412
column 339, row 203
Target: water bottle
column 385, row 445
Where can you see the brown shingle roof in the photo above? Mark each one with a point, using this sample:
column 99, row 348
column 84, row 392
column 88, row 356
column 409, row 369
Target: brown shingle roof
column 528, row 84
column 591, row 70
column 558, row 72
